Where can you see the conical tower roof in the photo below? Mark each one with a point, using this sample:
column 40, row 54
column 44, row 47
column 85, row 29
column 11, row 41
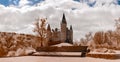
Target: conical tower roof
column 49, row 28
column 71, row 27
column 64, row 19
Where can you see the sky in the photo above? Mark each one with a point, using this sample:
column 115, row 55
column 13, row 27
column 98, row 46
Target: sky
column 84, row 15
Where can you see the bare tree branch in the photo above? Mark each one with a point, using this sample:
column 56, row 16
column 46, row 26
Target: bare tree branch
column 40, row 29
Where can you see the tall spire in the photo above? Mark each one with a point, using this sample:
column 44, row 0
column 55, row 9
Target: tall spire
column 71, row 27
column 64, row 19
column 49, row 28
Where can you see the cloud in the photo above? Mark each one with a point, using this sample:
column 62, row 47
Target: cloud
column 23, row 3
column 83, row 19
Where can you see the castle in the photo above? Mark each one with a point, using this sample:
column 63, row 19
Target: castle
column 65, row 34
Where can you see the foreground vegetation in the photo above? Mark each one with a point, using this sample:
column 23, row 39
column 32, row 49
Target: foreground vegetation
column 103, row 39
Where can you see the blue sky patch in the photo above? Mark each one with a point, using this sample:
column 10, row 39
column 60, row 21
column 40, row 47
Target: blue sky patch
column 33, row 2
column 4, row 2
column 16, row 2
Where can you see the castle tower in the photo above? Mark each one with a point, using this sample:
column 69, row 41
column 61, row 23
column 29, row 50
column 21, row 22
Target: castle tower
column 63, row 29
column 71, row 36
column 49, row 34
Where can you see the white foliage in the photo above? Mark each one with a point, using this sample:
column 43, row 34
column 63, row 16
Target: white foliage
column 11, row 53
column 20, row 52
column 29, row 50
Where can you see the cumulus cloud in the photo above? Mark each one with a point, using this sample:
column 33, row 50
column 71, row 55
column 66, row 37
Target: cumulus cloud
column 23, row 3
column 83, row 18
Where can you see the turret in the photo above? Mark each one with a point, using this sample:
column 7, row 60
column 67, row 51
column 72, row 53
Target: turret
column 71, row 34
column 48, row 28
column 49, row 34
column 71, row 27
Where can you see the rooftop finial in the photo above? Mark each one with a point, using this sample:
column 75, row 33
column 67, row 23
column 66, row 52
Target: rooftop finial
column 64, row 19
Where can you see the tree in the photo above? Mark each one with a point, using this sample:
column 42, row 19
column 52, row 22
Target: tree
column 117, row 31
column 40, row 29
column 9, row 42
column 83, row 42
column 108, row 37
column 117, row 24
column 88, row 38
column 6, row 44
column 2, row 50
column 99, row 38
